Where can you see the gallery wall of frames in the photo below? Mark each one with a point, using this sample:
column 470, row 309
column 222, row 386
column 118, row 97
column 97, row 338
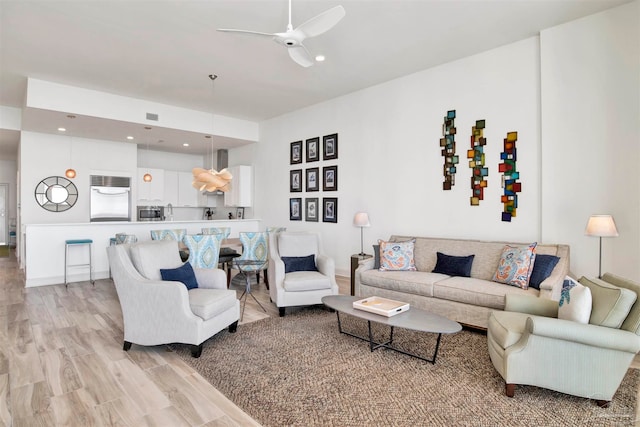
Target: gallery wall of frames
column 313, row 170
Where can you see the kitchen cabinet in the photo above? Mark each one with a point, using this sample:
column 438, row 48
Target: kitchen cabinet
column 151, row 193
column 171, row 188
column 187, row 195
column 241, row 192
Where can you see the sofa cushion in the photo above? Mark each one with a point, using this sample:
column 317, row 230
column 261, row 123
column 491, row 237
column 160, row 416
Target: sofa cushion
column 514, row 267
column 611, row 304
column 542, row 268
column 397, row 255
column 410, row 282
column 208, row 303
column 149, row 257
column 299, row 263
column 575, row 302
column 632, row 322
column 183, row 274
column 376, row 257
column 478, row 292
column 300, row 281
column 507, row 327
column 454, row 265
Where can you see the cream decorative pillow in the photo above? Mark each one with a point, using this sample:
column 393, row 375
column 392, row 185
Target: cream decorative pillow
column 575, row 302
column 611, row 304
column 397, row 255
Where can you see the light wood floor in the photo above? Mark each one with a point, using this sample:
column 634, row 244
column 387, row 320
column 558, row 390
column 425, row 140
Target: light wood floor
column 62, row 364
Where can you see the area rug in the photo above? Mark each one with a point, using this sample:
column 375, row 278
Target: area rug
column 4, row 251
column 300, row 371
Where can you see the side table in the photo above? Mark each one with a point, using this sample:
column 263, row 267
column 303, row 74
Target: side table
column 355, row 260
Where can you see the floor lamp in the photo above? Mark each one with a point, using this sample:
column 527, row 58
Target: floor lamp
column 601, row 226
column 361, row 220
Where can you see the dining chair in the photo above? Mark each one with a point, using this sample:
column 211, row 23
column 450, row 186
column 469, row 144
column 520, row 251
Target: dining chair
column 225, row 231
column 254, row 247
column 204, row 249
column 176, row 234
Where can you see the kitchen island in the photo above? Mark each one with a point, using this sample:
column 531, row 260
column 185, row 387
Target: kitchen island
column 44, row 245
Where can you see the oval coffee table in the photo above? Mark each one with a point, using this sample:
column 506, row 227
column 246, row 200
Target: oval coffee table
column 414, row 319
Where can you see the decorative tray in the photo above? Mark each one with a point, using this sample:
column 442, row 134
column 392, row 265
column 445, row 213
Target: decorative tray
column 382, row 306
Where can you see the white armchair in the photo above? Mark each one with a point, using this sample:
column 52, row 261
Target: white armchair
column 296, row 288
column 162, row 312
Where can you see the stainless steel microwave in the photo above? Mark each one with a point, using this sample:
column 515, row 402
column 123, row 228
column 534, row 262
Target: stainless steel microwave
column 150, row 213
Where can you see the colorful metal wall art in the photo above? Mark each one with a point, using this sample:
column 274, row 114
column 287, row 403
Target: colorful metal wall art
column 476, row 163
column 448, row 145
column 510, row 176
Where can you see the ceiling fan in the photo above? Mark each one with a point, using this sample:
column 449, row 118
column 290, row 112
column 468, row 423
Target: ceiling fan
column 292, row 39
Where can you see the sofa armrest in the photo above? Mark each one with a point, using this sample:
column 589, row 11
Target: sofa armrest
column 529, row 304
column 366, row 264
column 211, row 278
column 552, row 285
column 587, row 334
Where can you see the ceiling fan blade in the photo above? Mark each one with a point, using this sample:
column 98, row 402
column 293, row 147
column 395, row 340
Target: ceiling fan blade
column 254, row 33
column 300, row 55
column 323, row 22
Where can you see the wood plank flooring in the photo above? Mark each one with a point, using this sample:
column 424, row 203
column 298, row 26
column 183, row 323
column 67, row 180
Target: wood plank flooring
column 62, row 364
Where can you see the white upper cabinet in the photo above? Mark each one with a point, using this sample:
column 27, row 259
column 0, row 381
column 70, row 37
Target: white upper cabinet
column 241, row 192
column 171, row 188
column 151, row 193
column 187, row 195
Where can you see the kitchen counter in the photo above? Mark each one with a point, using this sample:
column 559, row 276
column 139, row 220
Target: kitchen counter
column 43, row 256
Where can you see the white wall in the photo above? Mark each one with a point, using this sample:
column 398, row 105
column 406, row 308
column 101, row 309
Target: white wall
column 389, row 161
column 44, row 155
column 591, row 134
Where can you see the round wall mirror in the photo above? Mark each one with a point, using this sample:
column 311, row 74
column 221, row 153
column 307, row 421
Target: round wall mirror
column 56, row 194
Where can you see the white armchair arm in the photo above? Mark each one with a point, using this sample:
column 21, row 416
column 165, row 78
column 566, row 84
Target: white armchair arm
column 211, row 278
column 587, row 334
column 326, row 265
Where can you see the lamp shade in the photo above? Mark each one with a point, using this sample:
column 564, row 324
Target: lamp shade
column 601, row 226
column 361, row 219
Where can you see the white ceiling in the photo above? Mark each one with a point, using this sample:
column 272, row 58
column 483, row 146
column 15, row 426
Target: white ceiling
column 163, row 51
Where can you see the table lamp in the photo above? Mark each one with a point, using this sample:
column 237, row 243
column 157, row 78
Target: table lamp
column 361, row 219
column 601, row 226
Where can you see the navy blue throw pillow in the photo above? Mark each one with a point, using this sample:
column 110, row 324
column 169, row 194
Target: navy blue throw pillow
column 299, row 263
column 542, row 268
column 376, row 257
column 182, row 274
column 454, row 265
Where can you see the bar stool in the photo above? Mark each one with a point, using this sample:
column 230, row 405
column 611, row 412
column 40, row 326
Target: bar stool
column 74, row 242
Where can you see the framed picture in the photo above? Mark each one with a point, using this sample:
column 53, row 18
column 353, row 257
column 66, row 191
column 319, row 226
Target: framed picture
column 239, row 213
column 296, row 153
column 295, row 181
column 311, row 209
column 330, row 178
column 313, row 149
column 295, row 209
column 330, row 209
column 330, row 147
column 312, row 179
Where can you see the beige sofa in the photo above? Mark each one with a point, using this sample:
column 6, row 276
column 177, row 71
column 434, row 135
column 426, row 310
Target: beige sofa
column 467, row 300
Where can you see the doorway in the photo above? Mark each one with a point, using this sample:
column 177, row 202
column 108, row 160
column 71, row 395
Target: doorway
column 4, row 191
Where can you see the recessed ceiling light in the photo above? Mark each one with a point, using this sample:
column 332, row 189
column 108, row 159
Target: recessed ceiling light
column 62, row 129
column 129, row 137
column 320, row 58
column 185, row 145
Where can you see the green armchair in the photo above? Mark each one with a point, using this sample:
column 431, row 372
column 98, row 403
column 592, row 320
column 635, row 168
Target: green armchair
column 529, row 345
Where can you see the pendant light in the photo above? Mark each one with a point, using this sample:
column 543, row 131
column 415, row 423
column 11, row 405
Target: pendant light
column 211, row 180
column 71, row 172
column 147, row 176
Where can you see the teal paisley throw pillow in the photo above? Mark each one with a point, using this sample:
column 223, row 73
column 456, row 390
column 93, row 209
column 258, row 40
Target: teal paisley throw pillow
column 515, row 265
column 397, row 255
